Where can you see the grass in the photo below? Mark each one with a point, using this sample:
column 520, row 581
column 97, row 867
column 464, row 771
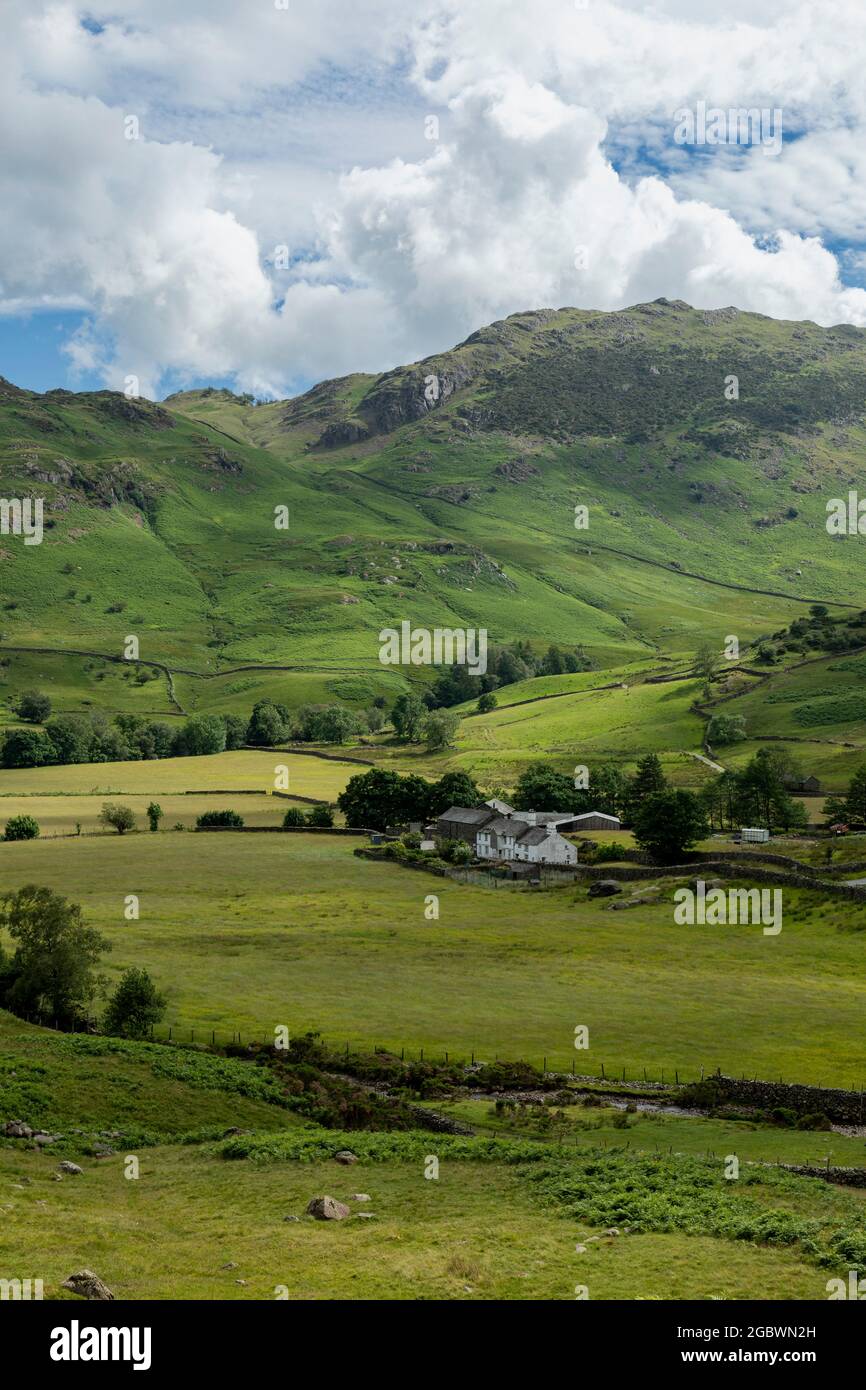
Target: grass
column 656, row 1132
column 244, row 770
column 246, row 932
column 476, row 1233
column 62, row 1083
column 61, row 815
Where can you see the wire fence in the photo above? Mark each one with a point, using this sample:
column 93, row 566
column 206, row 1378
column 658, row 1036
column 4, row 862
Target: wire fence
column 559, row 1064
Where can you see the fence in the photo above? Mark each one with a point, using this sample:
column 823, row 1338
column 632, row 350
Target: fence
column 552, row 1064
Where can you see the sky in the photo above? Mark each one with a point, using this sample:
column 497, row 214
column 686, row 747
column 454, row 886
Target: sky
column 262, row 194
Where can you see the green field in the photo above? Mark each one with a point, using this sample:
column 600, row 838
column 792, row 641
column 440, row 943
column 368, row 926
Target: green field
column 250, row 770
column 475, row 1234
column 247, row 932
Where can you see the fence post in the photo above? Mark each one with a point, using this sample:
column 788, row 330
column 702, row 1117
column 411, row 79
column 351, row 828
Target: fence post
column 169, row 1032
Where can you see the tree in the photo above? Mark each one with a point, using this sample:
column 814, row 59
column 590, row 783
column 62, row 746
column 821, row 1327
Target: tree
column 22, row 828
column 122, row 818
column 154, row 815
column 706, row 666
column 377, row 799
column 375, row 719
column 725, row 728
column 72, row 737
column 134, row 1006
column 762, row 796
column 327, row 724
column 236, row 731
column 486, row 702
column 407, row 716
column 321, row 816
column 440, row 728
column 27, row 748
column 33, row 705
column 204, row 734
column 541, row 788
column 452, row 789
column 294, row 818
column 51, row 976
column 269, row 724
column 229, row 819
column 852, row 807
column 649, row 780
column 669, row 822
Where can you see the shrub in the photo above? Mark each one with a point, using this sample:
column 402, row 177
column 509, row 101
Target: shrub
column 321, row 816
column 293, row 817
column 225, row 818
column 154, row 815
column 33, row 705
column 122, row 818
column 22, row 828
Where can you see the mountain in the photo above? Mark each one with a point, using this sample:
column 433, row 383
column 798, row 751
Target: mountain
column 444, row 492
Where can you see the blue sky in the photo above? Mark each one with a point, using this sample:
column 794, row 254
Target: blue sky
column 164, row 153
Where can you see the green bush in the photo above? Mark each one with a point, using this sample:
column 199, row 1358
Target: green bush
column 227, row 818
column 21, row 828
column 293, row 818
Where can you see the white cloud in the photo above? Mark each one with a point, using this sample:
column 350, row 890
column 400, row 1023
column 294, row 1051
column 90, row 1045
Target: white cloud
column 251, row 121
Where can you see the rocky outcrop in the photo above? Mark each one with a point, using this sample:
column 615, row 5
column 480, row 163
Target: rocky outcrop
column 88, row 1285
column 327, row 1209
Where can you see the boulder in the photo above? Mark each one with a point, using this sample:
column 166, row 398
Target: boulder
column 707, row 882
column 604, row 888
column 67, row 1167
column 16, row 1129
column 88, row 1285
column 327, row 1209
column 346, row 1157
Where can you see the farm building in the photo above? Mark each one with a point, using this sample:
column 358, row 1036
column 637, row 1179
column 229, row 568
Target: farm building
column 803, row 786
column 590, row 820
column 510, row 836
column 462, row 822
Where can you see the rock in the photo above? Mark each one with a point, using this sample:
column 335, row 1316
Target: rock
column 580, row 1250
column 243, row 1282
column 365, row 1216
column 43, row 1138
column 67, row 1167
column 231, row 1265
column 327, row 1209
column 291, row 1218
column 611, row 1231
column 604, row 888
column 346, row 1157
column 16, row 1129
column 707, row 882
column 360, row 1197
column 88, row 1285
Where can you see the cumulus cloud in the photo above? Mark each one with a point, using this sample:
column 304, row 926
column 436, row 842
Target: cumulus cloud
column 554, row 178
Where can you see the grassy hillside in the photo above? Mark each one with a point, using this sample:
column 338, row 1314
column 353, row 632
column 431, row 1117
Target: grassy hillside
column 452, row 510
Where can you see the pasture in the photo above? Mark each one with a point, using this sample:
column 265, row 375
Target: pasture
column 247, row 932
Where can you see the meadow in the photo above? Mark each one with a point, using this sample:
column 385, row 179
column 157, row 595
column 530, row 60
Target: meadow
column 248, row 932
column 195, row 1227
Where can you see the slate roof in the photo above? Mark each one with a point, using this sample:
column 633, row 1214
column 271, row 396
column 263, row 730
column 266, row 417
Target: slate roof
column 536, row 835
column 465, row 815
